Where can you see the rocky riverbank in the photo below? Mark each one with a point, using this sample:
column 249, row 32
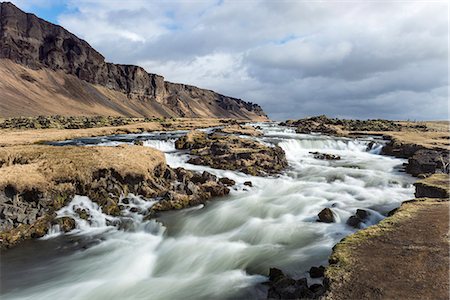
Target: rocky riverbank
column 403, row 257
column 21, row 131
column 37, row 180
column 414, row 235
column 232, row 153
column 425, row 144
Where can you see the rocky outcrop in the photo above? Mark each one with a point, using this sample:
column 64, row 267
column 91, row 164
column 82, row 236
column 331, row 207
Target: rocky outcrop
column 359, row 217
column 326, row 216
column 240, row 130
column 399, row 149
column 30, row 41
column 334, row 126
column 36, row 181
column 435, row 186
column 233, row 153
column 428, row 162
column 62, row 122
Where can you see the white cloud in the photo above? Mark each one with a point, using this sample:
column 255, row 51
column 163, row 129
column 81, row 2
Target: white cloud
column 296, row 58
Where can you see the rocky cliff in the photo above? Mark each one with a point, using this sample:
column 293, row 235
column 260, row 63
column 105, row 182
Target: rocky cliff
column 37, row 44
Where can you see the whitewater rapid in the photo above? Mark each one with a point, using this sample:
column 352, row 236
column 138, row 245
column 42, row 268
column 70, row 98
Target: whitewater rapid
column 222, row 250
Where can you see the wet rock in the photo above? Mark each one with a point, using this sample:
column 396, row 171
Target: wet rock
column 65, row 223
column 354, row 221
column 83, row 213
column 138, row 143
column 227, row 181
column 233, row 153
column 216, row 190
column 275, row 274
column 325, row 156
column 248, row 183
column 360, row 216
column 326, row 216
column 317, row 272
column 317, row 289
column 285, row 287
column 370, row 146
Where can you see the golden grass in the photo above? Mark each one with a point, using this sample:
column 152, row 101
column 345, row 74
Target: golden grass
column 41, row 167
column 241, row 130
column 428, row 139
column 343, row 257
column 9, row 137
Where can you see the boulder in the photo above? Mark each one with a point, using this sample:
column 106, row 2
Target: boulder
column 325, row 156
column 435, row 186
column 360, row 216
column 317, row 272
column 326, row 216
column 285, row 287
column 66, row 224
column 428, row 162
column 227, row 181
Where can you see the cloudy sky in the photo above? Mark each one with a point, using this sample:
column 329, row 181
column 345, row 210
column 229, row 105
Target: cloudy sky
column 356, row 59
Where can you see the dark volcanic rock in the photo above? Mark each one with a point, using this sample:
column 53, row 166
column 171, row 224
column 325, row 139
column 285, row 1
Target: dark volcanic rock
column 325, row 156
column 232, row 153
column 30, row 41
column 326, row 125
column 428, row 162
column 401, row 150
column 360, row 216
column 435, row 186
column 326, row 216
column 317, row 272
column 285, row 287
column 227, row 181
column 65, row 223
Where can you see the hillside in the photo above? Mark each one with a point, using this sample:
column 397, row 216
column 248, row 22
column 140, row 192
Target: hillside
column 44, row 69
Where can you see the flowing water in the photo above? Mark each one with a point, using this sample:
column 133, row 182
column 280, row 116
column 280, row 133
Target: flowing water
column 219, row 251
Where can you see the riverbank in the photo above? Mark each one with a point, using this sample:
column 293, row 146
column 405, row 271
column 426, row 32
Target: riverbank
column 282, row 204
column 360, row 263
column 36, row 180
column 405, row 256
column 16, row 134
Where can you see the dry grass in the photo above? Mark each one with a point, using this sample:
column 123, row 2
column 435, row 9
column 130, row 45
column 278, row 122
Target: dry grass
column 428, row 139
column 38, row 166
column 10, row 137
column 436, row 136
column 241, row 130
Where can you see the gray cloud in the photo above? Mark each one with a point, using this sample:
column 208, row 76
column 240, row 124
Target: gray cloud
column 358, row 59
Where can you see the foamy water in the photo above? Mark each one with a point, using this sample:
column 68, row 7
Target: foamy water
column 224, row 249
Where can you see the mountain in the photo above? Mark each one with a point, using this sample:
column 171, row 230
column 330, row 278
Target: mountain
column 45, row 69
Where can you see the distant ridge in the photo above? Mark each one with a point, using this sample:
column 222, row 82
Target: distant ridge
column 45, row 69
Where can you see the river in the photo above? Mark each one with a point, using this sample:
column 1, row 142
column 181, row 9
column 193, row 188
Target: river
column 222, row 250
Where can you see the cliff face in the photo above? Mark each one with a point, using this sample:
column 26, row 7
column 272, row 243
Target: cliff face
column 37, row 44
